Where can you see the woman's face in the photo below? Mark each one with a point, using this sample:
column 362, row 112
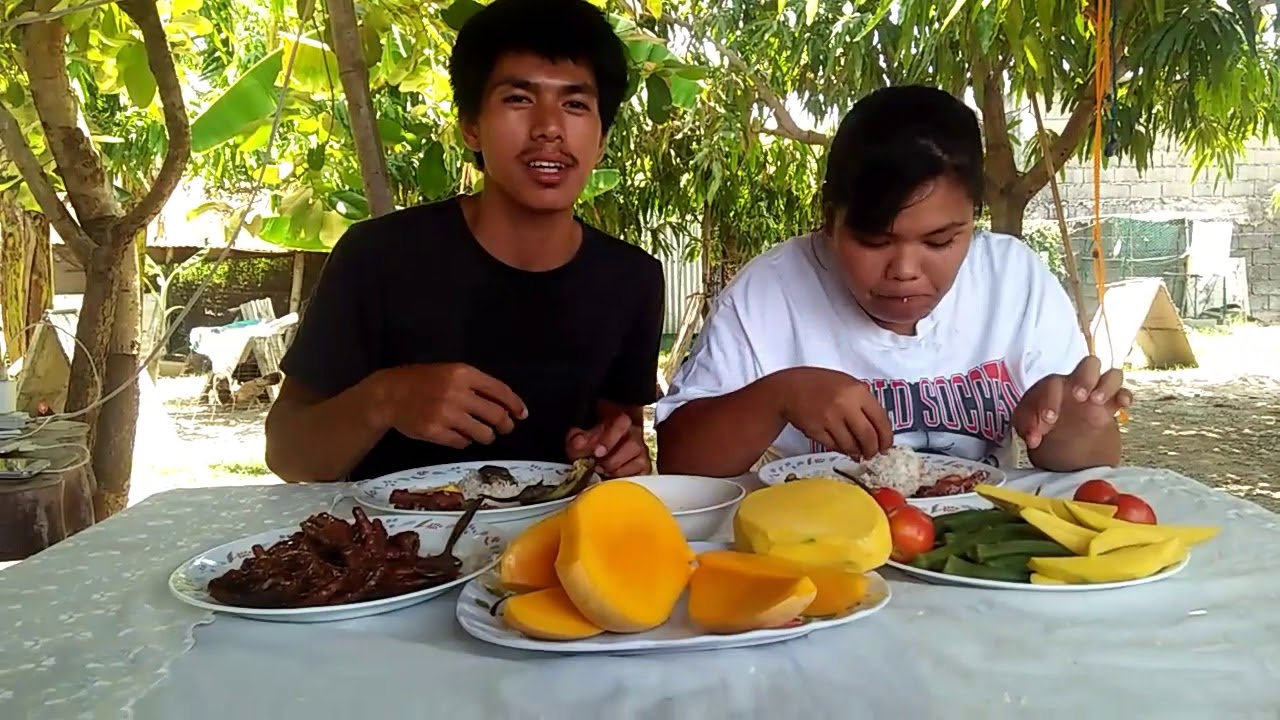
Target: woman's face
column 899, row 276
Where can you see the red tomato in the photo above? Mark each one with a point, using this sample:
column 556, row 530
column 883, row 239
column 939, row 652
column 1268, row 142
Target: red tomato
column 1096, row 491
column 889, row 499
column 912, row 531
column 1134, row 509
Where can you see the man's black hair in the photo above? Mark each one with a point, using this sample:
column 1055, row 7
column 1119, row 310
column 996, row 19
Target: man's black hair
column 557, row 30
column 893, row 141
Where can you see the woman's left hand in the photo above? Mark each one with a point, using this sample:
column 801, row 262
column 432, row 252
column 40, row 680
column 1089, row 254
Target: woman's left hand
column 1087, row 398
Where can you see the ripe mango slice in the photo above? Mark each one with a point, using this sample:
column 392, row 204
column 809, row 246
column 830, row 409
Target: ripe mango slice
column 1131, row 563
column 1189, row 534
column 529, row 561
column 840, row 588
column 814, row 521
column 1038, row 579
column 547, row 615
column 1068, row 535
column 1015, row 500
column 749, row 592
column 623, row 559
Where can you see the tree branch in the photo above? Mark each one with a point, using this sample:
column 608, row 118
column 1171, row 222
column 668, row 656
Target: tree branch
column 787, row 126
column 52, row 14
column 34, row 175
column 160, row 59
column 1079, row 123
column 44, row 58
column 354, row 74
column 1001, row 166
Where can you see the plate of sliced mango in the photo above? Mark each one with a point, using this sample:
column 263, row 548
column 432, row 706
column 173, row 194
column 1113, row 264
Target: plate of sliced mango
column 1040, row 544
column 613, row 574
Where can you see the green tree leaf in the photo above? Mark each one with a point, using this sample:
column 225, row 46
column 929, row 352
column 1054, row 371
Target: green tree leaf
column 658, row 99
column 315, row 69
column 350, row 204
column 433, row 175
column 248, row 100
column 458, row 13
column 602, row 180
column 138, row 80
column 684, row 93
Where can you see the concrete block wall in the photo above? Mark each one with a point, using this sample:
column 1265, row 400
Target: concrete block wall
column 1166, row 185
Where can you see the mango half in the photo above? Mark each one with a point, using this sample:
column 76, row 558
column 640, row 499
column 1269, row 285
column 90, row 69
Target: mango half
column 814, row 521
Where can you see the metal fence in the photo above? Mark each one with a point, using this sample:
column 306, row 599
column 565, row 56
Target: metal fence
column 683, row 278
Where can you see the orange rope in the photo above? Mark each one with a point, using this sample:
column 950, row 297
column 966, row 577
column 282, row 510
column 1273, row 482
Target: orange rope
column 1102, row 71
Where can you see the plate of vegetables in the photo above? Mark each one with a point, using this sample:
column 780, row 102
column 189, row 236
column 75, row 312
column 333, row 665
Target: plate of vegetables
column 1021, row 541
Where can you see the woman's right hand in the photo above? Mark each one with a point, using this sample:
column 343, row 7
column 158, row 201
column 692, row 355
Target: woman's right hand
column 835, row 409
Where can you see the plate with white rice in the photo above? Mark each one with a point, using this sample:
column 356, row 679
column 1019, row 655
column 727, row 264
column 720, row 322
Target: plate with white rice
column 933, row 483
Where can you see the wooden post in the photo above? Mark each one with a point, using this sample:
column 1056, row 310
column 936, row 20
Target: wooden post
column 295, row 288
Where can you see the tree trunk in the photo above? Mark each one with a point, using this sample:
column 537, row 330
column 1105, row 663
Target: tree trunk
column 26, row 273
column 114, row 432
column 354, row 73
column 1007, row 211
column 93, row 332
column 102, row 232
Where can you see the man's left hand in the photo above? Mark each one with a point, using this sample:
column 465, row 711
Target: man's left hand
column 617, row 445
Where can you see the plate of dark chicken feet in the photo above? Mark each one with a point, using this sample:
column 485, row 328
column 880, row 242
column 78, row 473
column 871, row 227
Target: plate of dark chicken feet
column 327, row 568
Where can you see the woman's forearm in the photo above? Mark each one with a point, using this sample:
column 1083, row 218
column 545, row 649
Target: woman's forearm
column 725, row 435
column 1068, row 449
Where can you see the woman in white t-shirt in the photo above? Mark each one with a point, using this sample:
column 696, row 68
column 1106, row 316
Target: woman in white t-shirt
column 898, row 323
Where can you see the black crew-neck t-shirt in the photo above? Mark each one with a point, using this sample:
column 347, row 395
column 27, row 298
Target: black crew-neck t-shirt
column 415, row 286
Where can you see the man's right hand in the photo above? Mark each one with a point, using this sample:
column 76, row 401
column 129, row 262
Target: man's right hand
column 835, row 409
column 450, row 404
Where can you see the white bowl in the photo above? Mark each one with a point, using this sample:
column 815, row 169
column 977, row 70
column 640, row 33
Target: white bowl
column 702, row 505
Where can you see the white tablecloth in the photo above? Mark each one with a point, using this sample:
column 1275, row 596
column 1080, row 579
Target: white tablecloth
column 90, row 631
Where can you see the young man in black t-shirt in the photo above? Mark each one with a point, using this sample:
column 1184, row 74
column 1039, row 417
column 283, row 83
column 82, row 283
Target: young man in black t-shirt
column 495, row 326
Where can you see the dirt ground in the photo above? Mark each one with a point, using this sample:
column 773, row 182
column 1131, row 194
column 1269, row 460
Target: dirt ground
column 1218, row 423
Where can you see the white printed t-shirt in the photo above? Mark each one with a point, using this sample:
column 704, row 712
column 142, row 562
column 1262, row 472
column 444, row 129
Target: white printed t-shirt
column 950, row 389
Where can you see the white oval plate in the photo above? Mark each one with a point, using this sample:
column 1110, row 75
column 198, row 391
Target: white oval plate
column 825, row 464
column 938, row 578
column 376, row 492
column 478, row 548
column 678, row 634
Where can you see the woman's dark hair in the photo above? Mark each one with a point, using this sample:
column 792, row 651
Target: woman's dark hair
column 889, row 144
column 572, row 30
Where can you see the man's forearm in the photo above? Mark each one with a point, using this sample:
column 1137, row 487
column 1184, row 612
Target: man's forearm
column 1068, row 449
column 323, row 441
column 722, row 436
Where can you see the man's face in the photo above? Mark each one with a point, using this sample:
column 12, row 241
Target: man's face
column 898, row 277
column 539, row 130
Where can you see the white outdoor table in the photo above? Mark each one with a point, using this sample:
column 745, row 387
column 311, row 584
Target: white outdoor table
column 90, row 630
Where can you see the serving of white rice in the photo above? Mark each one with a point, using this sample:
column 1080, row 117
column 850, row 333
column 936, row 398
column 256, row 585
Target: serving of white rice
column 899, row 467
